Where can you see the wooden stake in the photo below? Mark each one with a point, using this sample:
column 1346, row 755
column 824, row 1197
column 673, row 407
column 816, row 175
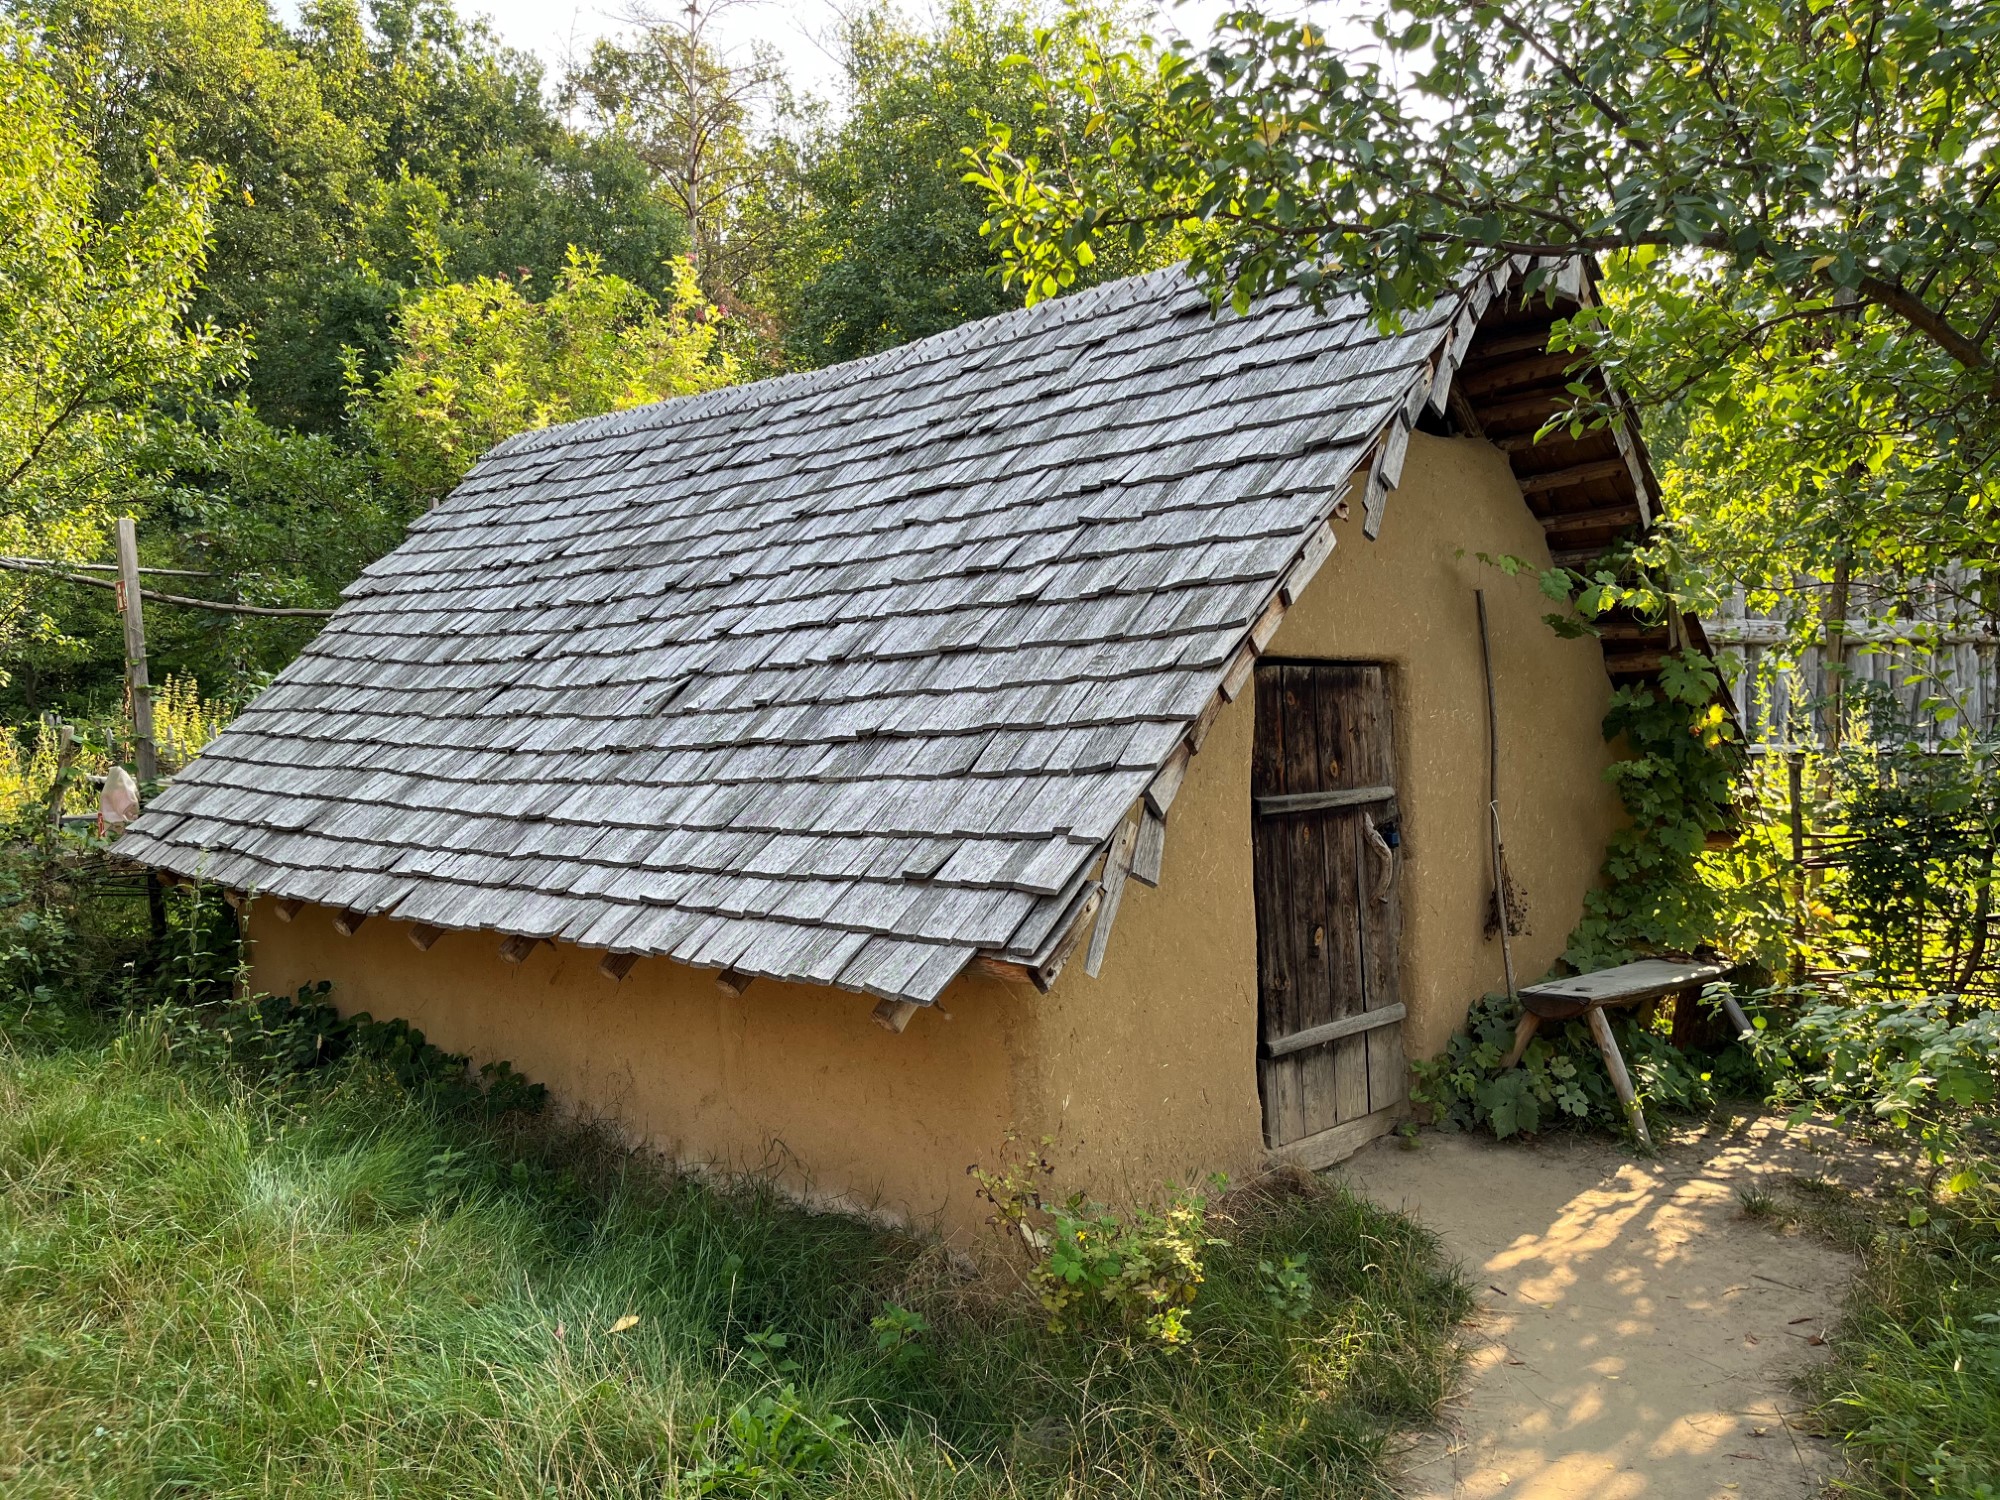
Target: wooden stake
column 145, row 752
column 1795, row 765
column 65, row 756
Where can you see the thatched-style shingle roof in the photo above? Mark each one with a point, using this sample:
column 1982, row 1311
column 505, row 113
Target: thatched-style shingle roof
column 846, row 677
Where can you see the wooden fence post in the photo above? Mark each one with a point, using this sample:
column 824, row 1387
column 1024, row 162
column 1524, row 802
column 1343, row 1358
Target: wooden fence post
column 145, row 753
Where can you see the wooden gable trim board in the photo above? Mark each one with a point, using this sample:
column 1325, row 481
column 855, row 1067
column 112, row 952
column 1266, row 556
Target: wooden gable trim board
column 1117, row 865
column 1150, row 849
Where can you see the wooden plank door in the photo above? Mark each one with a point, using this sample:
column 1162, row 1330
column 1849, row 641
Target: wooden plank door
column 1326, row 845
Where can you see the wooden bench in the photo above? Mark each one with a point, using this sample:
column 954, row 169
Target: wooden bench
column 1647, row 981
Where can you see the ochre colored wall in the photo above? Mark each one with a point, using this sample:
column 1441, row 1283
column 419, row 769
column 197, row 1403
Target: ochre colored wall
column 1146, row 1074
column 1149, row 1074
column 793, row 1079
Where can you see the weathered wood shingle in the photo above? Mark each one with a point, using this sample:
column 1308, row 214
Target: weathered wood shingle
column 841, row 677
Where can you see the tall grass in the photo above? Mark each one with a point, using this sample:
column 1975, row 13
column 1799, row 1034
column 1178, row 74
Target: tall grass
column 1913, row 1389
column 216, row 1283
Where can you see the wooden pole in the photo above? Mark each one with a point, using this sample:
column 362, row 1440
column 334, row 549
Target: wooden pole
column 1493, row 800
column 65, row 758
column 145, row 752
column 1795, row 765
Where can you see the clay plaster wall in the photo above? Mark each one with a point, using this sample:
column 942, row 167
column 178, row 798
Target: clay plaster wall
column 1148, row 1073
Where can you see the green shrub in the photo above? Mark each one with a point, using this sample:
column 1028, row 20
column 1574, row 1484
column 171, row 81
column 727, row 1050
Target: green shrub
column 1561, row 1079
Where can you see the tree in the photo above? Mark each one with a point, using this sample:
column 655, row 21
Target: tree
column 94, row 337
column 693, row 116
column 1795, row 202
column 478, row 362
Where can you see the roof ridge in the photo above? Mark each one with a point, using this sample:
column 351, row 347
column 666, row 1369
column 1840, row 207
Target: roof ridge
column 1056, row 311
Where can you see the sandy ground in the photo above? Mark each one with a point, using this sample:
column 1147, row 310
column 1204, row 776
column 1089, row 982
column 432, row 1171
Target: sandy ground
column 1638, row 1333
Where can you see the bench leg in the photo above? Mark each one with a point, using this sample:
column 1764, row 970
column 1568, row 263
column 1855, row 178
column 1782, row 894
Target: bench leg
column 1524, row 1033
column 1600, row 1028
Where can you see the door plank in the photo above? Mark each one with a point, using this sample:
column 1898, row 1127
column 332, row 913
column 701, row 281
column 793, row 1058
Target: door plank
column 1282, row 1117
column 1346, row 994
column 1371, row 752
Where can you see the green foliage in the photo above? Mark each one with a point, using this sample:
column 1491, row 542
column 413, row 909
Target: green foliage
column 1913, row 1389
column 892, row 249
column 478, row 362
column 1561, row 1080
column 1912, row 834
column 1792, row 202
column 326, row 1281
column 93, row 328
column 1093, row 1267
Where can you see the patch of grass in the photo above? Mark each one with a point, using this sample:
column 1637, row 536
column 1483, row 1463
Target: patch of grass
column 214, row 1283
column 1912, row 1390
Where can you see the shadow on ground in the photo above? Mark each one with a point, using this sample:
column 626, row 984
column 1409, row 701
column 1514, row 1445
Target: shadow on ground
column 1638, row 1333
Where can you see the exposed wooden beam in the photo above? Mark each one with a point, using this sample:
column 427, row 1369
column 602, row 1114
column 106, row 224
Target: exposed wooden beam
column 1536, row 409
column 1591, row 520
column 1461, row 413
column 734, row 984
column 1560, row 479
column 1117, row 865
column 1633, row 663
column 894, row 1015
column 348, row 922
column 515, row 949
column 996, row 967
column 615, row 966
column 1535, row 369
column 1167, row 785
column 1238, row 676
column 1496, row 346
column 423, row 936
column 288, row 907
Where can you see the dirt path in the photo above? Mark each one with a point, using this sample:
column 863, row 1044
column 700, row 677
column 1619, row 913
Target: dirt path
column 1637, row 1331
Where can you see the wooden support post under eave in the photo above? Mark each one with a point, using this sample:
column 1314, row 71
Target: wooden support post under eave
column 348, row 922
column 734, row 984
column 615, row 966
column 424, row 937
column 288, row 907
column 894, row 1015
column 516, row 949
